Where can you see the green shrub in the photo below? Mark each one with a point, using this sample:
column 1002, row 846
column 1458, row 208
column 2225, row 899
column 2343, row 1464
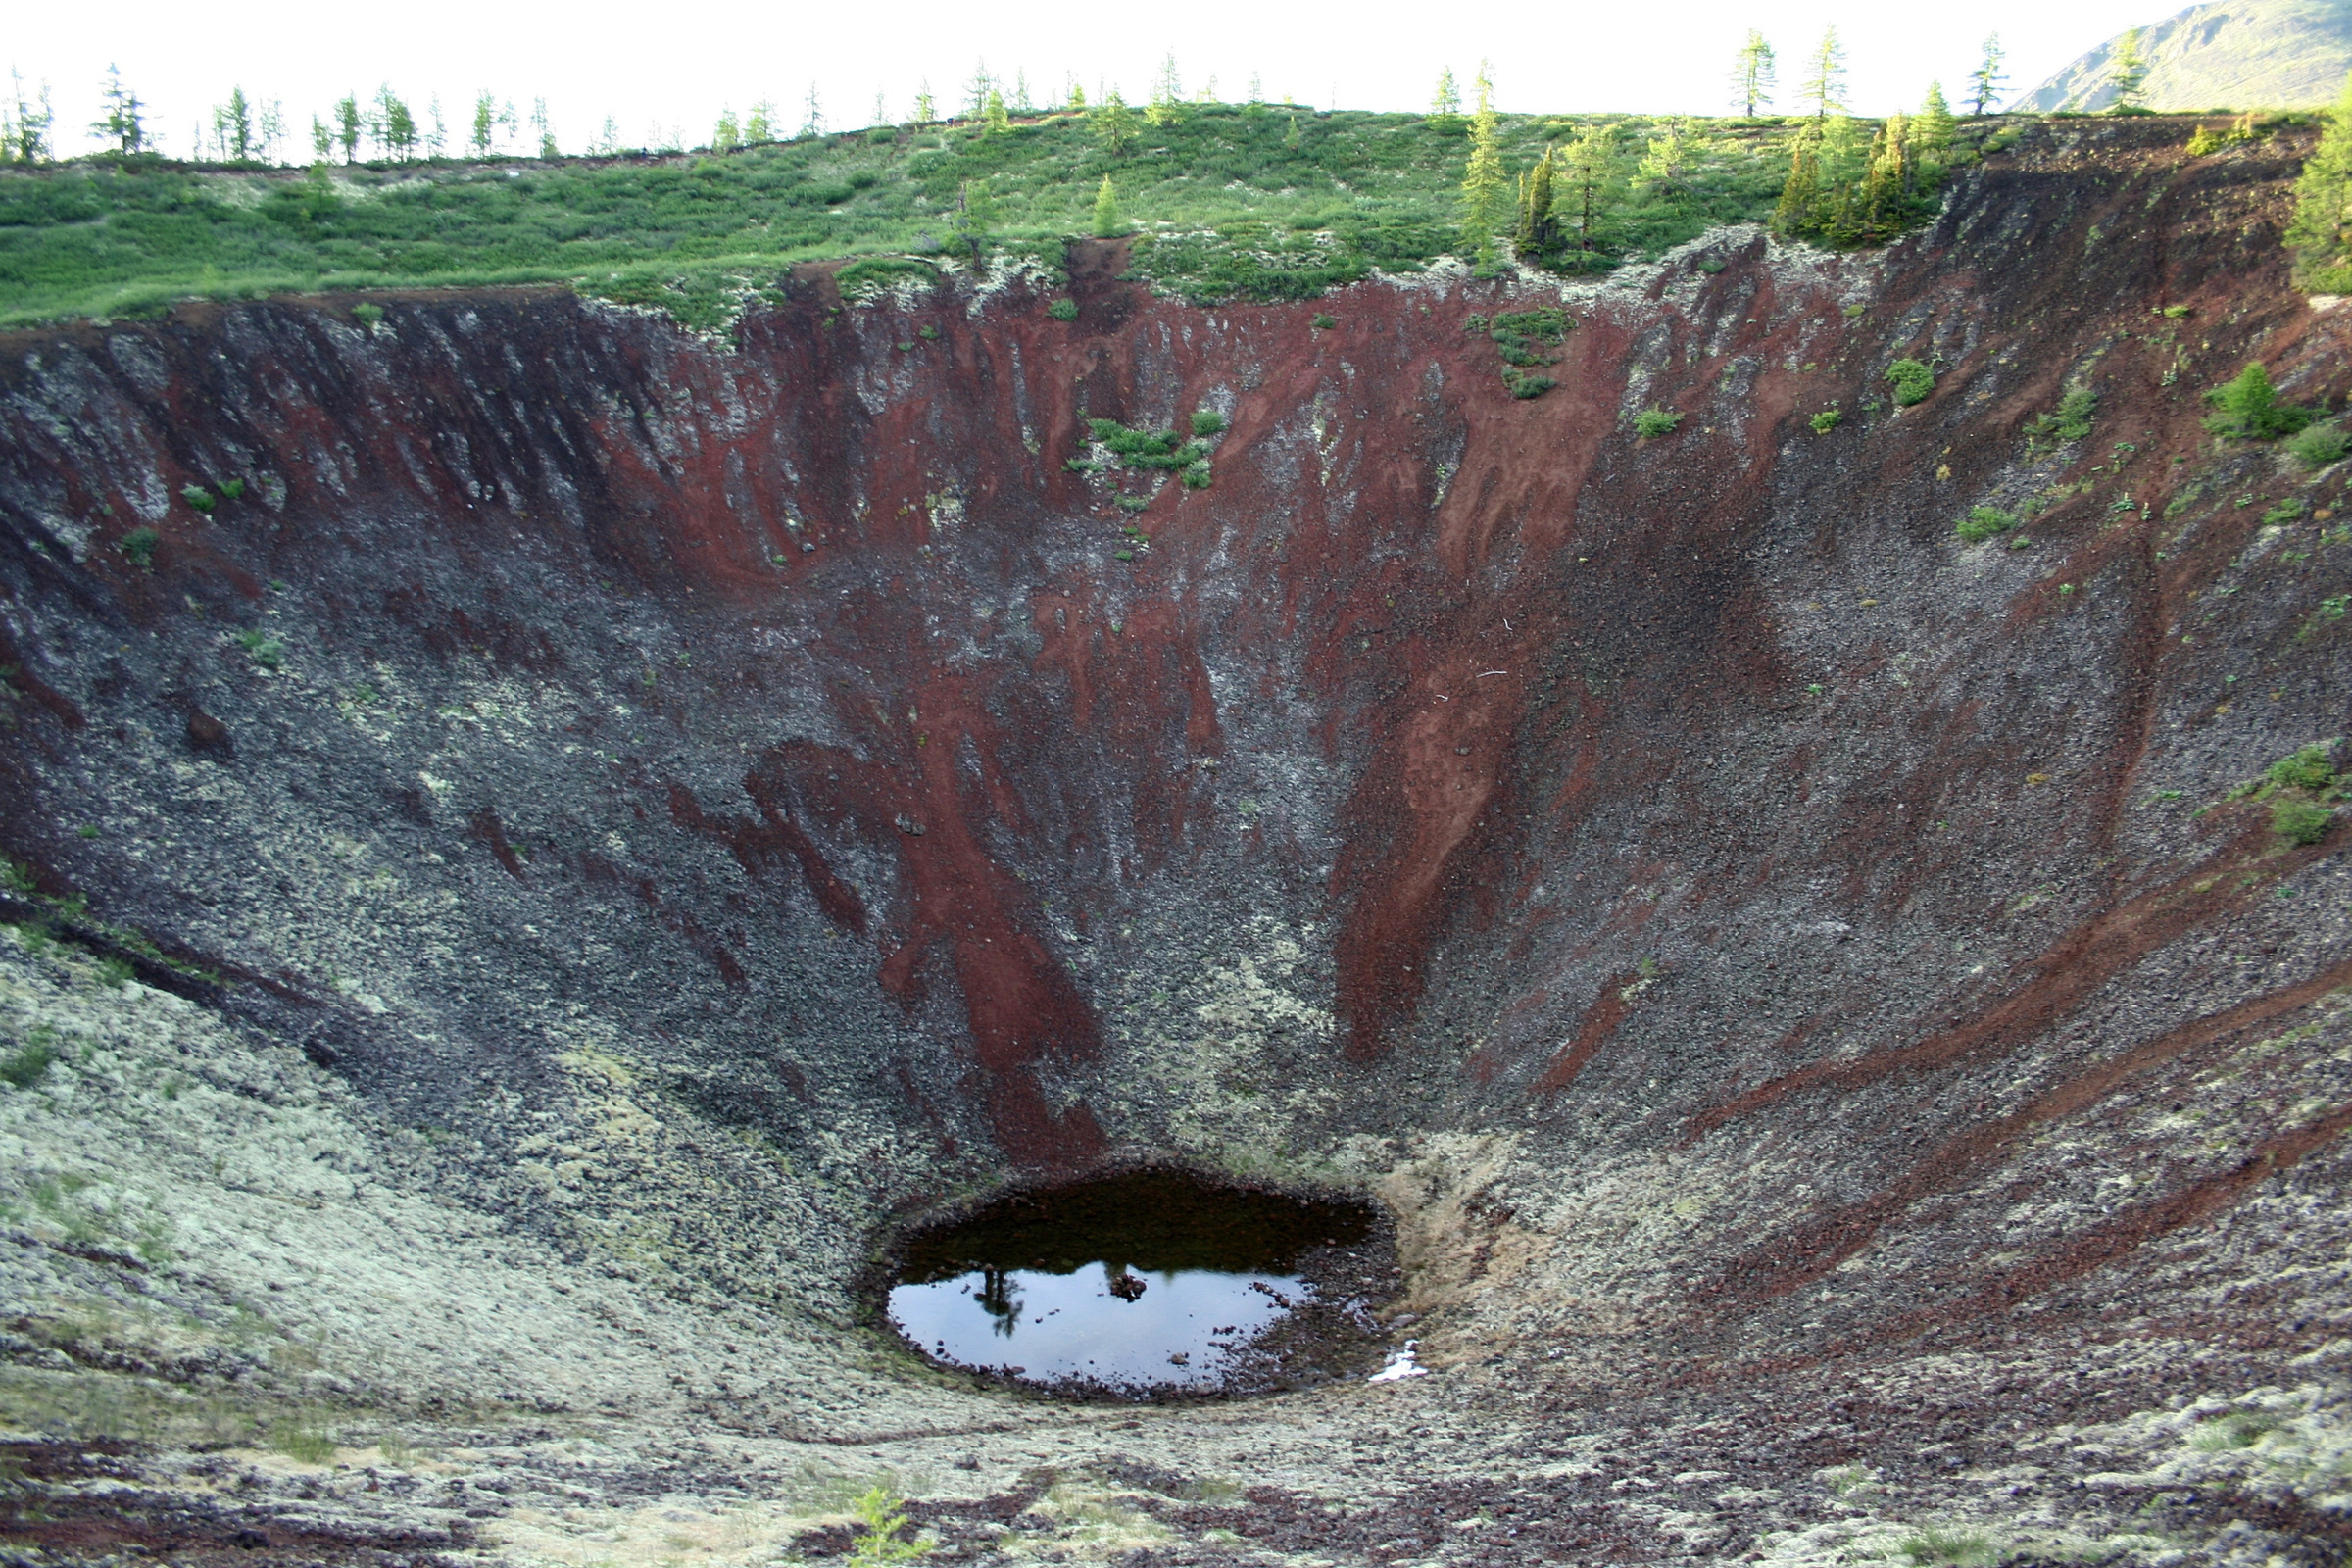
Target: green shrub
column 115, row 973
column 1522, row 385
column 368, row 315
column 1984, row 522
column 1063, row 310
column 1196, row 477
column 139, row 545
column 2070, row 420
column 1826, row 420
column 1913, row 381
column 1966, row 1549
column 927, row 332
column 233, row 489
column 306, row 1440
column 883, row 1544
column 197, row 496
column 263, row 649
column 2301, row 821
column 2248, row 409
column 2311, row 768
column 1322, row 323
column 2319, row 445
column 23, row 1067
column 1134, row 502
column 1655, row 421
column 1207, row 422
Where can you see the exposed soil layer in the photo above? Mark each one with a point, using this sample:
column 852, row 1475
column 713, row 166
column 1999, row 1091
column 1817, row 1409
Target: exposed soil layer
column 529, row 892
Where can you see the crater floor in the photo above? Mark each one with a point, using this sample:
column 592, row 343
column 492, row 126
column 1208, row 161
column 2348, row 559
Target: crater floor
column 590, row 829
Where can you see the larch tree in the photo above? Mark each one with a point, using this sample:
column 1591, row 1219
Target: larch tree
column 925, row 110
column 813, row 115
column 485, row 125
column 1167, row 94
column 1591, row 165
column 1446, row 105
column 995, row 122
column 1106, row 211
column 1985, row 83
column 726, row 135
column 2128, row 74
column 1754, row 74
column 2320, row 235
column 1825, row 76
column 121, row 124
column 1664, row 173
column 1538, row 231
column 1113, row 124
column 977, row 91
column 1485, row 186
column 542, row 129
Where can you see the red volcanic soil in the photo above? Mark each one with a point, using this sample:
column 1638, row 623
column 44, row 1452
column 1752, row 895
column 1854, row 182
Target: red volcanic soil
column 792, row 707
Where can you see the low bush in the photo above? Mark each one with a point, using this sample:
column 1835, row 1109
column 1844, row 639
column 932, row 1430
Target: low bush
column 1522, row 385
column 197, row 496
column 2319, row 445
column 1322, row 323
column 368, row 315
column 1063, row 310
column 1197, row 476
column 263, row 649
column 1207, row 422
column 139, row 545
column 2070, row 420
column 1913, row 381
column 2313, row 767
column 1826, row 420
column 232, row 489
column 23, row 1067
column 2248, row 409
column 2301, row 821
column 1984, row 522
column 1655, row 421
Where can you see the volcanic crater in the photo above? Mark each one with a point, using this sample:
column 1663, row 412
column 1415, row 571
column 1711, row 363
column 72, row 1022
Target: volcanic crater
column 589, row 829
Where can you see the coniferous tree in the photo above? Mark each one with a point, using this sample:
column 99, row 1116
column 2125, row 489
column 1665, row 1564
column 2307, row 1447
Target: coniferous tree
column 813, row 115
column 974, row 213
column 485, row 123
column 1664, row 173
column 1538, row 233
column 1020, row 103
column 543, row 131
column 977, row 91
column 121, row 124
column 1167, row 94
column 1113, row 124
column 1886, row 183
column 232, row 127
column 1754, row 75
column 760, row 126
column 25, row 124
column 925, row 110
column 1258, row 89
column 1075, row 99
column 1106, row 211
column 436, row 140
column 1930, row 143
column 1484, row 184
column 347, row 126
column 398, row 125
column 996, row 122
column 881, row 109
column 1801, row 192
column 1825, row 76
column 322, row 140
column 2320, row 235
column 1446, row 105
column 2128, row 74
column 1589, row 163
column 1290, row 139
column 1985, row 83
column 726, row 135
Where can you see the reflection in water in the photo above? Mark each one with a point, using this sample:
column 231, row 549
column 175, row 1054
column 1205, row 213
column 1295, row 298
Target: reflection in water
column 1181, row 1330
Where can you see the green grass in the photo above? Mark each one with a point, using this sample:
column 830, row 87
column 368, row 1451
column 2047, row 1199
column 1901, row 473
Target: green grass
column 1226, row 209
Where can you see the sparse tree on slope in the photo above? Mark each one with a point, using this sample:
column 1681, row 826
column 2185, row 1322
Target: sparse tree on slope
column 813, row 115
column 1484, row 184
column 347, row 126
column 543, row 131
column 485, row 125
column 24, row 124
column 1445, row 108
column 726, row 135
column 925, row 110
column 1538, row 231
column 1664, row 173
column 1985, row 83
column 1592, row 165
column 1167, row 94
column 1113, row 124
column 2320, row 235
column 2128, row 74
column 1825, row 76
column 122, row 124
column 1754, row 75
column 1106, row 211
column 977, row 91
column 996, row 122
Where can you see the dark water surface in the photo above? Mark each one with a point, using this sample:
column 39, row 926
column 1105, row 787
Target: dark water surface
column 1148, row 1281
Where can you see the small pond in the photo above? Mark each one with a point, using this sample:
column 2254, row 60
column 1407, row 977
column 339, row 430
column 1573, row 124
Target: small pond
column 1149, row 1284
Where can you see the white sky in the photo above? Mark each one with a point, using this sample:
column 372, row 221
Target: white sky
column 654, row 66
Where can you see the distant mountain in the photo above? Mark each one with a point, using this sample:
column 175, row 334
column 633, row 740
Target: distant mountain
column 2232, row 54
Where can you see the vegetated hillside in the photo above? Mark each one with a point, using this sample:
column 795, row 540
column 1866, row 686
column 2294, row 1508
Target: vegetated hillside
column 535, row 838
column 2231, row 54
column 1274, row 201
